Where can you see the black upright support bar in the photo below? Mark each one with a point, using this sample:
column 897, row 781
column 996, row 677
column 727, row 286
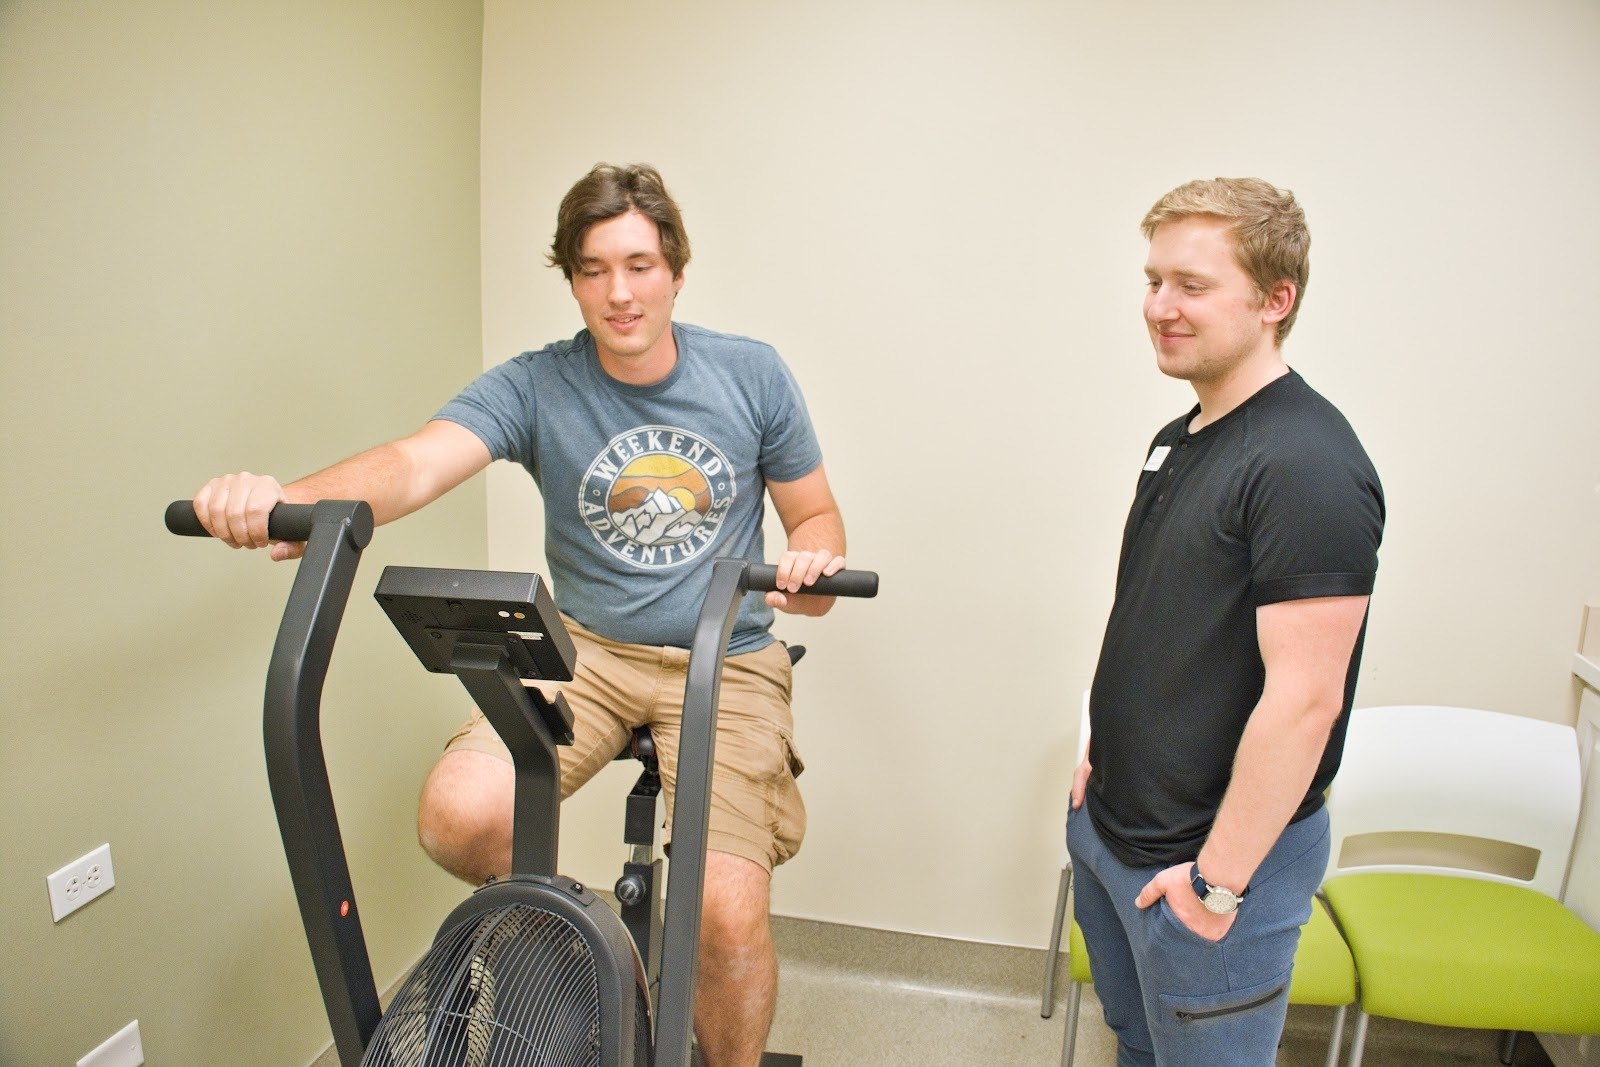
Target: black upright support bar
column 680, row 949
column 680, row 959
column 638, row 891
column 485, row 671
column 493, row 630
column 298, row 773
column 335, row 533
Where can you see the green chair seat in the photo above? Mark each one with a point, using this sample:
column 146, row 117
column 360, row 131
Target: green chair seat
column 1078, row 956
column 1510, row 958
column 1324, row 973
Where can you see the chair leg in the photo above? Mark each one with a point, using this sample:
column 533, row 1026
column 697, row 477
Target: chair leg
column 1358, row 1039
column 1052, row 954
column 1338, row 1035
column 1069, row 1041
column 1508, row 1047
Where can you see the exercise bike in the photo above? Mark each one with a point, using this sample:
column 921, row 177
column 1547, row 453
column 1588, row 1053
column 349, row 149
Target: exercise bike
column 534, row 968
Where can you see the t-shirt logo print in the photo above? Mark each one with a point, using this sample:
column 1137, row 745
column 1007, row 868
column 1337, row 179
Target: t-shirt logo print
column 657, row 495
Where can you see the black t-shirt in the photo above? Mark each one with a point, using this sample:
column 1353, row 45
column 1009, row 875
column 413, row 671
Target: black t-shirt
column 1275, row 501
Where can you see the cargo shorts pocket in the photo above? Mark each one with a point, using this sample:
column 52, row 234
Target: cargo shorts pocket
column 786, row 807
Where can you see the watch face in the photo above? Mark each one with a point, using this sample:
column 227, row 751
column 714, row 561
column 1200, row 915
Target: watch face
column 1219, row 901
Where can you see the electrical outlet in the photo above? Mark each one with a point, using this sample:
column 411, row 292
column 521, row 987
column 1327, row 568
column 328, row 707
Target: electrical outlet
column 79, row 882
column 124, row 1049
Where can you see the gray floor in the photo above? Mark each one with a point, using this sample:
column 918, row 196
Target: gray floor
column 854, row 996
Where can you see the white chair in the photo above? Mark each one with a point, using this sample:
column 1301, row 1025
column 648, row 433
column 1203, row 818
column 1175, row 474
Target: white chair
column 1452, row 829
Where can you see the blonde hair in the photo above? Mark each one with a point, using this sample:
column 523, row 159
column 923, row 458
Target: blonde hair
column 1270, row 239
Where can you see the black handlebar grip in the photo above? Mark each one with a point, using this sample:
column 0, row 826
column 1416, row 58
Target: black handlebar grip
column 763, row 578
column 288, row 522
column 182, row 520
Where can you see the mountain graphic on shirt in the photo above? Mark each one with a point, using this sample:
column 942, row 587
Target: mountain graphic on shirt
column 660, row 518
column 659, row 500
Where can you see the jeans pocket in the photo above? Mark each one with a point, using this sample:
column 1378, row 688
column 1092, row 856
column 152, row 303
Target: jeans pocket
column 1220, row 1007
column 1178, row 928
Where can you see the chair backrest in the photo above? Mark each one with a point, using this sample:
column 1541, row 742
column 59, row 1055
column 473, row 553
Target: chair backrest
column 1461, row 772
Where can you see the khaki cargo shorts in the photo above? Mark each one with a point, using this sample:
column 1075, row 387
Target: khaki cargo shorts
column 756, row 808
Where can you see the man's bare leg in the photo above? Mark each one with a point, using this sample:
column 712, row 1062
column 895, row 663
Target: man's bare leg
column 464, row 816
column 738, row 986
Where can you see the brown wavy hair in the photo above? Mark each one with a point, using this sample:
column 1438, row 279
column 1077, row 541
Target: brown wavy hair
column 604, row 193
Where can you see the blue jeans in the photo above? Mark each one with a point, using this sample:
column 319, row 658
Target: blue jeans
column 1171, row 996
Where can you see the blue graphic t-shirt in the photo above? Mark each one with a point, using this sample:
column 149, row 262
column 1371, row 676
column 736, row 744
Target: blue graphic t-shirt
column 644, row 486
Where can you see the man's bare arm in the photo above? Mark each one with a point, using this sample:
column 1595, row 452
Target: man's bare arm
column 816, row 545
column 396, row 478
column 1306, row 647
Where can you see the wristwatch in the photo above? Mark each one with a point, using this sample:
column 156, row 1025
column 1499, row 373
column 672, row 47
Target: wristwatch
column 1217, row 899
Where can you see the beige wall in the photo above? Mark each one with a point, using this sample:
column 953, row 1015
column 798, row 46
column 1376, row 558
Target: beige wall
column 231, row 235
column 931, row 209
column 219, row 224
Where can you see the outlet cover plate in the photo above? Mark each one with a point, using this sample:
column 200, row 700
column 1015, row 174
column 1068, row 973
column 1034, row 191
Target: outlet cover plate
column 123, row 1049
column 79, row 882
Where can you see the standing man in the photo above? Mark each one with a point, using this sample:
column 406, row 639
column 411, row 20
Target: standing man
column 1229, row 662
column 652, row 443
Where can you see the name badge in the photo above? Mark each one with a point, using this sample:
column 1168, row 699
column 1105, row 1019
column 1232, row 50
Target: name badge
column 1158, row 456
